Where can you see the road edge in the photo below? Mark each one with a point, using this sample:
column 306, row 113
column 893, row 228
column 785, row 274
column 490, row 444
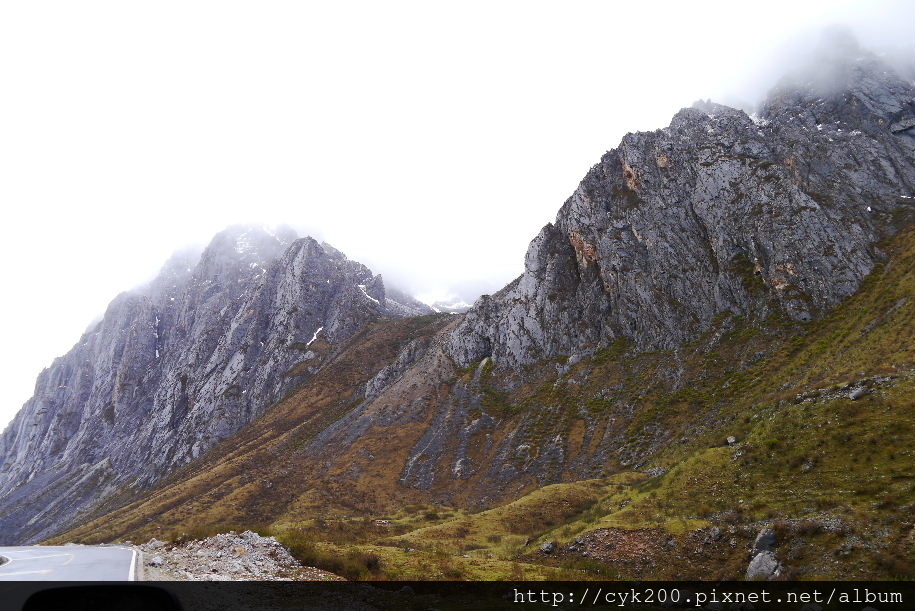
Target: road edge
column 135, row 567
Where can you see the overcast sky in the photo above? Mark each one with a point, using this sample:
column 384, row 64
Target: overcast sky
column 429, row 140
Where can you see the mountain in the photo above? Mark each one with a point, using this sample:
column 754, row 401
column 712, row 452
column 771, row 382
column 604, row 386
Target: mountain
column 178, row 365
column 719, row 212
column 713, row 338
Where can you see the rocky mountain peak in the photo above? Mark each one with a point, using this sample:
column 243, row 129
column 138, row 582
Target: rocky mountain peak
column 718, row 212
column 846, row 83
column 181, row 363
column 241, row 249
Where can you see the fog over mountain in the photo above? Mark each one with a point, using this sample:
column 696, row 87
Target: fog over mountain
column 428, row 143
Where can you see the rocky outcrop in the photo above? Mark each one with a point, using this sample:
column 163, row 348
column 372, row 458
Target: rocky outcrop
column 766, row 541
column 408, row 355
column 718, row 212
column 176, row 366
column 764, row 565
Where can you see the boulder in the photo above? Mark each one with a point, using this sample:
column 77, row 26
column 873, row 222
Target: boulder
column 857, row 393
column 155, row 544
column 764, row 566
column 766, row 541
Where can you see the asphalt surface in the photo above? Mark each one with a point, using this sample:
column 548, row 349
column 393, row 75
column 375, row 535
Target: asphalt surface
column 68, row 563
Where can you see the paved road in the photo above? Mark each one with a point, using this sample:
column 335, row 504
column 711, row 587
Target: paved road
column 68, row 563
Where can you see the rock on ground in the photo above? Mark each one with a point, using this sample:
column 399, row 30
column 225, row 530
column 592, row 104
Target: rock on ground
column 764, row 566
column 766, row 541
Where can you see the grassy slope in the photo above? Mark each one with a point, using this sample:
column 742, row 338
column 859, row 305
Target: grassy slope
column 836, row 477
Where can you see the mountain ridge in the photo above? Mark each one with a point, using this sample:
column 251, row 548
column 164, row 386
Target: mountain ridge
column 677, row 214
column 670, row 481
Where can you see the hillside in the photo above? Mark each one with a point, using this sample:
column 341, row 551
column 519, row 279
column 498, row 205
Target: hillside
column 834, row 475
column 713, row 337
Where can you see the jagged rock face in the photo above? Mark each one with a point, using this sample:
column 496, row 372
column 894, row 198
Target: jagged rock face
column 717, row 212
column 177, row 366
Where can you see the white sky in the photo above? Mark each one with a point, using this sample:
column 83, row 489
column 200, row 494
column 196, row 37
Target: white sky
column 429, row 140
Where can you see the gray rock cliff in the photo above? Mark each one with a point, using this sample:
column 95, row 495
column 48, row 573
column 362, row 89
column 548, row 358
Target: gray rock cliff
column 719, row 211
column 176, row 366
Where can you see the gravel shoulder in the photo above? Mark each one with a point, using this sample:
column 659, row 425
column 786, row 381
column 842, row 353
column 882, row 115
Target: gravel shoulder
column 225, row 557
